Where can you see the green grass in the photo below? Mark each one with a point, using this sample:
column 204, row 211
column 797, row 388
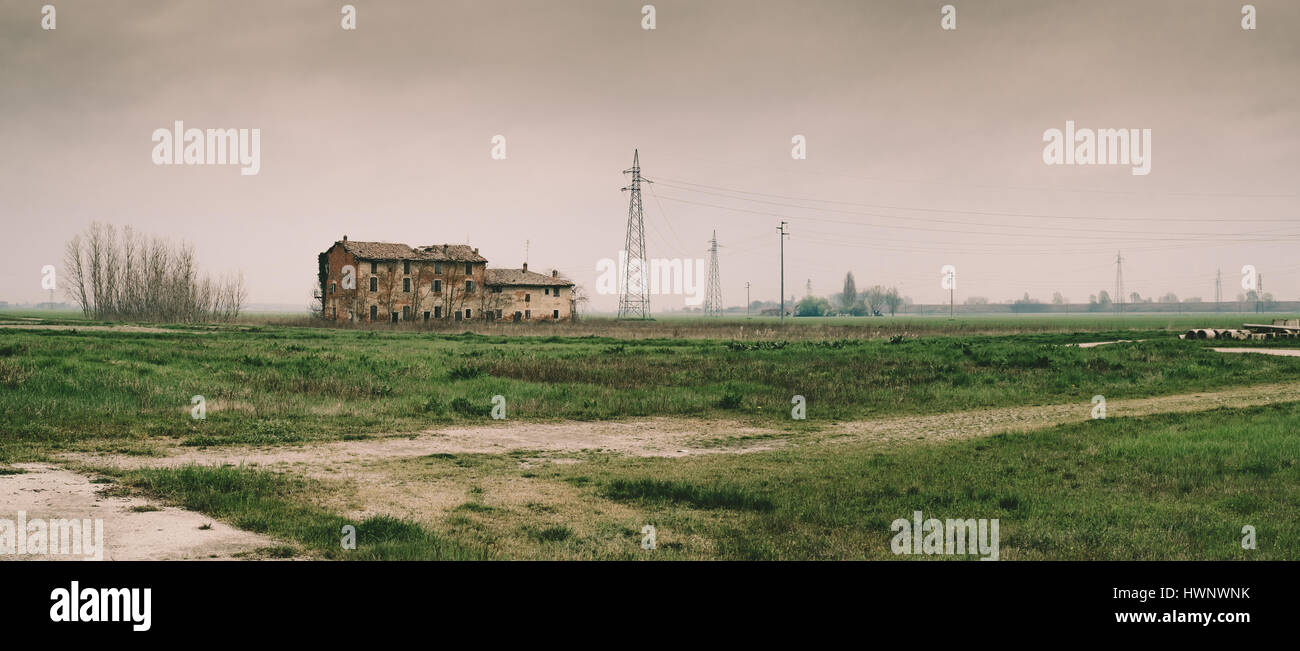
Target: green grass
column 1164, row 487
column 279, row 506
column 268, row 385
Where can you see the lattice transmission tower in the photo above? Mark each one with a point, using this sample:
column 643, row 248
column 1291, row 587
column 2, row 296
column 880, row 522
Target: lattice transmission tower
column 634, row 300
column 713, row 298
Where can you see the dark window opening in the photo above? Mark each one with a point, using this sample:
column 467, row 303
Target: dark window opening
column 374, row 284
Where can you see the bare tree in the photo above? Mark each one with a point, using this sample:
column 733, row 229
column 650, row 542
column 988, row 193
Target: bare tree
column 135, row 277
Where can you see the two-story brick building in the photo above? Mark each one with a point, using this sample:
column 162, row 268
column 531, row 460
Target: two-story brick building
column 389, row 281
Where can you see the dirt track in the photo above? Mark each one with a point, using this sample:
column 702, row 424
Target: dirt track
column 382, row 488
column 153, row 532
column 675, row 437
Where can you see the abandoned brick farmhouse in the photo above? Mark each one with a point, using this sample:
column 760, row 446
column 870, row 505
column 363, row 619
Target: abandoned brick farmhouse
column 389, row 281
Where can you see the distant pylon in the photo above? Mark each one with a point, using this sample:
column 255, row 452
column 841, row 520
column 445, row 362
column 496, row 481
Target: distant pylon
column 713, row 298
column 1218, row 288
column 634, row 301
column 1119, row 282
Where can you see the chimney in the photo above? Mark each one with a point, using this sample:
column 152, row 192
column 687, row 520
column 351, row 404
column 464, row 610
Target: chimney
column 476, row 250
column 525, row 266
column 345, row 238
column 555, row 273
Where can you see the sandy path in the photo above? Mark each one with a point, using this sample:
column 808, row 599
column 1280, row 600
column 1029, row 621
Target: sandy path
column 47, row 492
column 1284, row 352
column 673, row 437
column 381, row 487
column 968, row 424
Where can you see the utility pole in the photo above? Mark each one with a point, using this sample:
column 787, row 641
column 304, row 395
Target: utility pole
column 1259, row 294
column 781, row 229
column 746, row 299
column 713, row 297
column 634, row 303
column 1119, row 282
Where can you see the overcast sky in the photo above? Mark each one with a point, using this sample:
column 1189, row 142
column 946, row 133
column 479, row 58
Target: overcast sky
column 924, row 146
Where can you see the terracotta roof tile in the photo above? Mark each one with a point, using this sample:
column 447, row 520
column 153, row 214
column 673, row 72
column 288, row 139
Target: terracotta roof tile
column 501, row 277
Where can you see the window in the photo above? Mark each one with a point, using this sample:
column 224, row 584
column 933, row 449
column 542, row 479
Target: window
column 406, row 285
column 394, row 317
column 374, row 312
column 332, row 287
column 406, row 266
column 528, row 314
column 466, row 313
column 555, row 314
column 437, row 286
column 458, row 316
column 469, row 268
column 426, row 315
column 547, row 291
column 374, row 284
column 406, row 312
column 469, row 286
column 528, row 298
column 437, row 267
column 437, row 312
column 498, row 314
column 374, row 267
column 335, row 312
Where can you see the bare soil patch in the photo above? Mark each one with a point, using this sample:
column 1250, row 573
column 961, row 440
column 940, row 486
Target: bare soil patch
column 167, row 533
column 1284, row 352
column 379, row 478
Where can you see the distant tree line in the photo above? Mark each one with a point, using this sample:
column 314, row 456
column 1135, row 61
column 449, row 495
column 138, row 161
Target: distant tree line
column 127, row 275
column 874, row 301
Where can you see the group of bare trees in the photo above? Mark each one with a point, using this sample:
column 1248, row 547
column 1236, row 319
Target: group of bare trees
column 870, row 302
column 124, row 274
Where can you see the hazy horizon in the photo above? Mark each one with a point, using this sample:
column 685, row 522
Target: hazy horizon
column 924, row 146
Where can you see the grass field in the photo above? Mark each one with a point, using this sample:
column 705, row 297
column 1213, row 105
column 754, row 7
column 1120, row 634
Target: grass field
column 1164, row 486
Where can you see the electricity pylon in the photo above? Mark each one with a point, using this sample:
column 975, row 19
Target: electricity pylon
column 713, row 298
column 634, row 301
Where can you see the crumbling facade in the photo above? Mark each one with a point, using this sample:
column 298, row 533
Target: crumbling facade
column 387, row 281
column 529, row 296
